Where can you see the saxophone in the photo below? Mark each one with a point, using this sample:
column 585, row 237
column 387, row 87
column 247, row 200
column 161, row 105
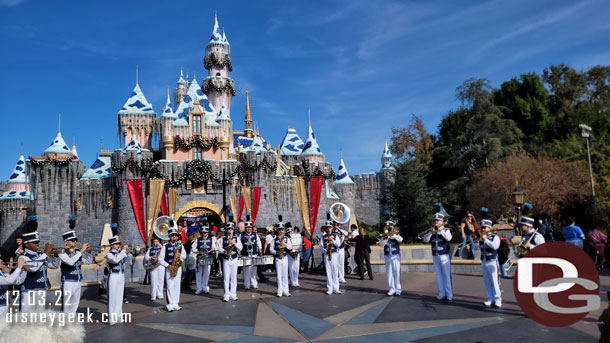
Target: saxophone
column 280, row 253
column 176, row 262
column 329, row 249
column 229, row 248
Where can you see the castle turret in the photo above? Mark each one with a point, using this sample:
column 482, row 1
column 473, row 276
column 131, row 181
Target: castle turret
column 181, row 87
column 136, row 118
column 218, row 86
column 167, row 118
column 74, row 151
column 18, row 180
column 386, row 158
column 58, row 148
column 311, row 150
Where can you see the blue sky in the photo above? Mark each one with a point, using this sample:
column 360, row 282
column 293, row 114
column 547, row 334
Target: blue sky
column 362, row 66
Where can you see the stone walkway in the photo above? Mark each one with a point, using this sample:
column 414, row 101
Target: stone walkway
column 362, row 314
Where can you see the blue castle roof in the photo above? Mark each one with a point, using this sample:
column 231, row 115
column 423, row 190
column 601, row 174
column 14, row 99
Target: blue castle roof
column 343, row 177
column 311, row 147
column 134, row 145
column 167, row 109
column 58, row 146
column 137, row 103
column 101, row 168
column 16, row 195
column 192, row 93
column 292, row 144
column 18, row 174
column 217, row 36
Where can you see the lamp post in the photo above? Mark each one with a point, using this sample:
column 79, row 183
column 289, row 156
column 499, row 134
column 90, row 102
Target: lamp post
column 518, row 198
column 585, row 131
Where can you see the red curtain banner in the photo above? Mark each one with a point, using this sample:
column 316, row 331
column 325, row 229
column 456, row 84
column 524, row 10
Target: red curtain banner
column 256, row 198
column 164, row 205
column 315, row 191
column 137, row 204
column 240, row 207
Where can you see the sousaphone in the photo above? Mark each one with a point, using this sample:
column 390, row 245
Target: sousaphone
column 340, row 212
column 161, row 227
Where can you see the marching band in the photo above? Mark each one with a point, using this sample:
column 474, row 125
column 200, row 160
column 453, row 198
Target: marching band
column 282, row 249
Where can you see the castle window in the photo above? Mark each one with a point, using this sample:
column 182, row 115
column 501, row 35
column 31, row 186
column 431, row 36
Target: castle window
column 196, row 124
column 197, row 154
column 217, row 74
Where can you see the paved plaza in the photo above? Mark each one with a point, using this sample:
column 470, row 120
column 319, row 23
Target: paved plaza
column 363, row 313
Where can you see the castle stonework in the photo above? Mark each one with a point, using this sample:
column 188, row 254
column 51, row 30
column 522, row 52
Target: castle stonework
column 198, row 153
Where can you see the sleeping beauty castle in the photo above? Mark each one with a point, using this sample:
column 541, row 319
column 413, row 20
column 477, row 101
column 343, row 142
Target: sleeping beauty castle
column 190, row 161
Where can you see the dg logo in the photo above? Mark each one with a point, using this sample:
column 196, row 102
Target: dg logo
column 557, row 284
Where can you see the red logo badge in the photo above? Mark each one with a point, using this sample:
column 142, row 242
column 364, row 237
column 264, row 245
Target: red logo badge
column 557, row 284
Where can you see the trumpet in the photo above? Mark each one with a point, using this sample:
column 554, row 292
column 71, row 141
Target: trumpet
column 388, row 230
column 433, row 229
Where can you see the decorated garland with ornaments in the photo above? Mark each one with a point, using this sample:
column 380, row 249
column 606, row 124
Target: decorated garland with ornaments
column 204, row 144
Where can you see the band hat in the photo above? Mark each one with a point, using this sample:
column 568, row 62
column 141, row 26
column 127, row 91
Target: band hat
column 486, row 223
column 280, row 226
column 328, row 223
column 172, row 231
column 230, row 225
column 69, row 235
column 248, row 224
column 205, row 229
column 439, row 216
column 526, row 221
column 114, row 240
column 31, row 237
column 390, row 223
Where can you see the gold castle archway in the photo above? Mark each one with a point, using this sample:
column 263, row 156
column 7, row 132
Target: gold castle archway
column 198, row 204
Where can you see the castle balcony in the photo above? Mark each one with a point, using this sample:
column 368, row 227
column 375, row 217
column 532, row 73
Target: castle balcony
column 218, row 58
column 218, row 84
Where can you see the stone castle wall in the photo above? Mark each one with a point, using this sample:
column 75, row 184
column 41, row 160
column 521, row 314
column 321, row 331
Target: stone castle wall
column 59, row 192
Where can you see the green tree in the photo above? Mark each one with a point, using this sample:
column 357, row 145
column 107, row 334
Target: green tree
column 411, row 199
column 525, row 100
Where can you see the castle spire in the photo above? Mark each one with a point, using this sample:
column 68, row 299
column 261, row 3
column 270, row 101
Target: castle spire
column 386, row 158
column 311, row 147
column 59, row 123
column 342, row 174
column 168, row 112
column 137, row 81
column 248, row 129
column 74, row 152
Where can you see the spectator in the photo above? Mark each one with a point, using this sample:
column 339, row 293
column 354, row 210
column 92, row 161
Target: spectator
column 598, row 240
column 546, row 229
column 467, row 227
column 573, row 234
column 362, row 253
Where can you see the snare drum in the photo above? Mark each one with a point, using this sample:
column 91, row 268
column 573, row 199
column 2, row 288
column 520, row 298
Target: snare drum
column 257, row 260
column 205, row 260
column 246, row 261
column 268, row 259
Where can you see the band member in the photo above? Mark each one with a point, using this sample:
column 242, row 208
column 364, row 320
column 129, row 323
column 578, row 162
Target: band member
column 439, row 240
column 116, row 278
column 230, row 249
column 527, row 226
column 294, row 260
column 171, row 257
column 36, row 283
column 489, row 245
column 259, row 270
column 205, row 246
column 330, row 240
column 157, row 274
column 341, row 250
column 71, row 273
column 15, row 278
column 252, row 247
column 391, row 253
column 280, row 248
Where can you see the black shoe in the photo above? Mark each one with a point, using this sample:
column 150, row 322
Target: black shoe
column 362, row 278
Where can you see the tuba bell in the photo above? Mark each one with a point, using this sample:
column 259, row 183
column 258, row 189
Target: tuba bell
column 161, row 227
column 340, row 213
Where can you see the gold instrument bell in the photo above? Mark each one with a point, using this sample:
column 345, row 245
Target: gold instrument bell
column 340, row 212
column 161, row 227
